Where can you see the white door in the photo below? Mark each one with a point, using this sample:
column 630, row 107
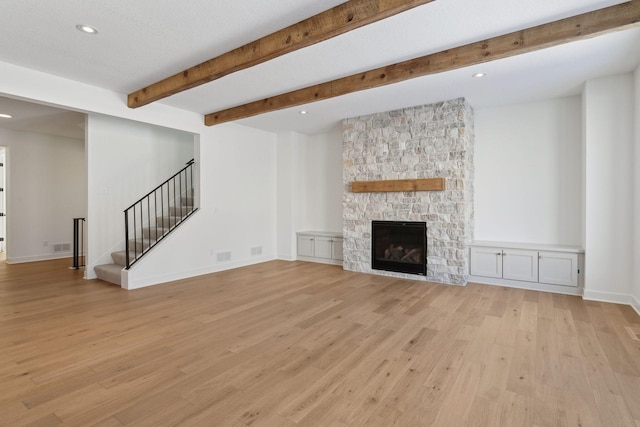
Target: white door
column 3, row 204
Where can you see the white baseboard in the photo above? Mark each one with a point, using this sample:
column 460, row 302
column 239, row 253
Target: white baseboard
column 607, row 297
column 286, row 257
column 319, row 260
column 129, row 282
column 46, row 257
column 105, row 258
column 635, row 303
column 533, row 286
column 586, row 294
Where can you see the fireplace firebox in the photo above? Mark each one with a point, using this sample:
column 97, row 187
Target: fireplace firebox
column 399, row 246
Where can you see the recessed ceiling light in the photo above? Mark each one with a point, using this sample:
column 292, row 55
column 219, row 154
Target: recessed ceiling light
column 478, row 75
column 6, row 116
column 303, row 111
column 87, row 29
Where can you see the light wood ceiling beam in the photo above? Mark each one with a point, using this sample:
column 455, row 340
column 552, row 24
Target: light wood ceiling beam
column 330, row 23
column 591, row 24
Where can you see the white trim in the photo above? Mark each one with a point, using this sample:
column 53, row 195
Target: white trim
column 528, row 246
column 337, row 234
column 106, row 258
column 607, row 297
column 128, row 276
column 286, row 257
column 533, row 286
column 319, row 260
column 35, row 258
column 635, row 304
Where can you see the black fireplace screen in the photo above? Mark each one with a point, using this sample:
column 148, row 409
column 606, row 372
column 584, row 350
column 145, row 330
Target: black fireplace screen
column 399, row 246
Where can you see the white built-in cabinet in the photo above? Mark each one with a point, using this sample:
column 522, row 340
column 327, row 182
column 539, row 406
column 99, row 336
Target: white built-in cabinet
column 545, row 267
column 320, row 246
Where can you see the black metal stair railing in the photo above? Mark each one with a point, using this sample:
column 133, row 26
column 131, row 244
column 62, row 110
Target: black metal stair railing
column 78, row 243
column 158, row 213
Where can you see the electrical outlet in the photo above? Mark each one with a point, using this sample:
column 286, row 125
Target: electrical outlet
column 45, row 243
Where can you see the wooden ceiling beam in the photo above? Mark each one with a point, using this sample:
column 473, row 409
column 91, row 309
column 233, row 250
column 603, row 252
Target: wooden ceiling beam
column 330, row 23
column 590, row 24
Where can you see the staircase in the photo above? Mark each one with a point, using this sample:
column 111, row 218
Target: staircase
column 150, row 220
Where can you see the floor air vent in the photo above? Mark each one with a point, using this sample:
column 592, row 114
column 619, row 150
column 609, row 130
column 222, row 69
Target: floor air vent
column 633, row 332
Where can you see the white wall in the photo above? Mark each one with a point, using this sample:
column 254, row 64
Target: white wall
column 125, row 160
column 292, row 149
column 237, row 209
column 635, row 288
column 309, row 186
column 238, row 162
column 324, row 186
column 226, row 169
column 528, row 175
column 45, row 191
column 609, row 188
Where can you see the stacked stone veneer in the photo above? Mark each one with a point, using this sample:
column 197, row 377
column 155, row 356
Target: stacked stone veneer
column 431, row 141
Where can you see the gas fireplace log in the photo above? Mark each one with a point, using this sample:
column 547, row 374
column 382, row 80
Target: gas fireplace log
column 411, row 256
column 393, row 253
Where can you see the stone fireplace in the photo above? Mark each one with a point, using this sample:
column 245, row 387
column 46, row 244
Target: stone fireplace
column 431, row 141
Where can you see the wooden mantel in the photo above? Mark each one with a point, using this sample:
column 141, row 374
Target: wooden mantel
column 426, row 184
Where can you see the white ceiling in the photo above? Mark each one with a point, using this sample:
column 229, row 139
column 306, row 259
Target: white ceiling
column 143, row 41
column 27, row 116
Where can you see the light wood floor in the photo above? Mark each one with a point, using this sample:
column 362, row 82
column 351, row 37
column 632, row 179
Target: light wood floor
column 302, row 344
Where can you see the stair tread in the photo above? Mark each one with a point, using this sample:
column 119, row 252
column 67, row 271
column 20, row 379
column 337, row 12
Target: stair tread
column 109, row 273
column 119, row 258
column 146, row 237
column 141, row 240
column 109, row 267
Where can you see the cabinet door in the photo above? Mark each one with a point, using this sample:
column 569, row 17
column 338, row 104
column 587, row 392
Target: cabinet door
column 337, row 249
column 322, row 247
column 558, row 268
column 486, row 262
column 520, row 265
column 305, row 245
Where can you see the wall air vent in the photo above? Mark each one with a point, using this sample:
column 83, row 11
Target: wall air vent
column 62, row 247
column 223, row 256
column 257, row 250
